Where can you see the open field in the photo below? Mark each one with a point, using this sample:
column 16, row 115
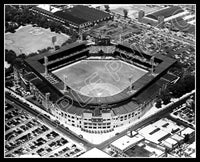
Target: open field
column 30, row 39
column 100, row 78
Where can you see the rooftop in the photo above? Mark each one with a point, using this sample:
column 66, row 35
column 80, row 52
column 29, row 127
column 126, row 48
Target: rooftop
column 80, row 14
column 95, row 153
column 125, row 142
column 152, row 133
column 187, row 131
column 138, row 152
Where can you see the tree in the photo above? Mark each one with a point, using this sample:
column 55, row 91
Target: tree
column 107, row 8
column 22, row 56
column 189, row 82
column 125, row 13
column 10, row 56
column 165, row 97
column 184, row 85
column 32, row 54
column 158, row 104
column 8, row 71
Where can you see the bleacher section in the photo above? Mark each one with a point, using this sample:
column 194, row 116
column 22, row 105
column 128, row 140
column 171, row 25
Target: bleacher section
column 136, row 58
column 79, row 51
column 52, row 79
column 105, row 49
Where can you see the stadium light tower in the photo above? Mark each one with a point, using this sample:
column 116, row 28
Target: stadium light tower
column 47, row 99
column 131, row 87
column 45, row 64
column 80, row 36
column 53, row 42
column 65, row 82
column 152, row 67
column 120, row 36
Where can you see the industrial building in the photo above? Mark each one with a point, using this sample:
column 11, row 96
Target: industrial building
column 77, row 16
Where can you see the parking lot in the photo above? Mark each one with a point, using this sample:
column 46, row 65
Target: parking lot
column 24, row 135
column 149, row 40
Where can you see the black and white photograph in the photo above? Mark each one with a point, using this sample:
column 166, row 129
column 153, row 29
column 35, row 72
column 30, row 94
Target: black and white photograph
column 100, row 81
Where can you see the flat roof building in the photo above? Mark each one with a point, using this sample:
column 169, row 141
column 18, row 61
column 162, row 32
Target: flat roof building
column 189, row 131
column 126, row 142
column 78, row 16
column 177, row 137
column 169, row 143
column 168, row 125
column 153, row 134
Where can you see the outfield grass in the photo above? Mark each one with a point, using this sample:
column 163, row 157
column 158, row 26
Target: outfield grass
column 110, row 77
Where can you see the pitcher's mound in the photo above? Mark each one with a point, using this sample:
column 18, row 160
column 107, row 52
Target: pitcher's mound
column 99, row 90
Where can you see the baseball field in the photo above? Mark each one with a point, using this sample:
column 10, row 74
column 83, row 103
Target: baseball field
column 99, row 78
column 28, row 39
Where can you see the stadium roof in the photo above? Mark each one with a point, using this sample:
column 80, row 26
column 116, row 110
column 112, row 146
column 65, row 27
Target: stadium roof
column 95, row 153
column 81, row 14
column 34, row 61
column 145, row 88
column 29, row 76
column 167, row 12
column 44, row 88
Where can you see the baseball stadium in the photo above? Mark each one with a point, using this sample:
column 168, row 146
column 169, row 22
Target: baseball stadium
column 95, row 87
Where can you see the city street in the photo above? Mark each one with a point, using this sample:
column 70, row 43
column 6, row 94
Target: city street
column 103, row 145
column 48, row 121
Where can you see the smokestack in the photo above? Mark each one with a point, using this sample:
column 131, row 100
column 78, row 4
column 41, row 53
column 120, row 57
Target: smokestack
column 141, row 14
column 45, row 64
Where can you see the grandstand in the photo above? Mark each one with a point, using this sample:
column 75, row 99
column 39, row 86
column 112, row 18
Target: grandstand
column 96, row 114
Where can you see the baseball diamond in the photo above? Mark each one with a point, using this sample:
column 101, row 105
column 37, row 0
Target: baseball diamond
column 102, row 89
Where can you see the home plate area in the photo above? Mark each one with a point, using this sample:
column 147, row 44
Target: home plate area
column 99, row 90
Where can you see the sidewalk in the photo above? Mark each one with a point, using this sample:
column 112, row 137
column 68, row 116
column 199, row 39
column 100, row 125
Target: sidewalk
column 99, row 138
